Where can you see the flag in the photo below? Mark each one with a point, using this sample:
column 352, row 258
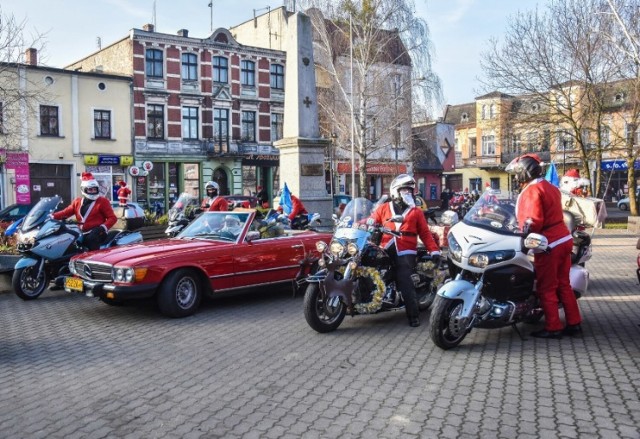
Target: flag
column 552, row 175
column 285, row 200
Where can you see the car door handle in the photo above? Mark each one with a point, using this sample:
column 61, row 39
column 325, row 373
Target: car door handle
column 297, row 246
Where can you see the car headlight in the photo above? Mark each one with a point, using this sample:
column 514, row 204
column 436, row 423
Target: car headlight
column 128, row 274
column 337, row 248
column 454, row 248
column 481, row 260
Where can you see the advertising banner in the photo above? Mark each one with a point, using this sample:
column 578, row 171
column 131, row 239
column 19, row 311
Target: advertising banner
column 19, row 161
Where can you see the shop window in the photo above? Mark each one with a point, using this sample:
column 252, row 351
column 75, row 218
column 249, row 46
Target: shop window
column 157, row 187
column 108, row 178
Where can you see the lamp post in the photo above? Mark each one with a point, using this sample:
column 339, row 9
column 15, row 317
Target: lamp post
column 334, row 136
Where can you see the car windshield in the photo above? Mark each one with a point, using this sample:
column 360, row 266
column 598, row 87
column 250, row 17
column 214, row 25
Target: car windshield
column 494, row 210
column 217, row 226
column 39, row 213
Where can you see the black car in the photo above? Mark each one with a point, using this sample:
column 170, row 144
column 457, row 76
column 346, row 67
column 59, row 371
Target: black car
column 13, row 213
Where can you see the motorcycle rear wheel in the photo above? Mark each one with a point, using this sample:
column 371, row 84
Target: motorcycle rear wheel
column 444, row 311
column 318, row 314
column 27, row 284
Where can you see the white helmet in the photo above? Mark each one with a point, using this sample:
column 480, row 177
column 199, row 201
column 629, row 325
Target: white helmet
column 402, row 181
column 212, row 185
column 89, row 187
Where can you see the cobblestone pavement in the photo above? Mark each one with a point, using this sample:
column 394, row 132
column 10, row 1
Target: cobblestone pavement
column 249, row 366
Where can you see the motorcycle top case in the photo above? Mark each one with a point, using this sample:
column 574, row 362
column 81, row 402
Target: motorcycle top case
column 126, row 220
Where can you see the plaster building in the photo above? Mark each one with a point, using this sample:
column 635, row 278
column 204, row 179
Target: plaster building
column 386, row 117
column 433, row 153
column 203, row 109
column 58, row 123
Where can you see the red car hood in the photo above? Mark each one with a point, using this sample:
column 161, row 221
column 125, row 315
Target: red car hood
column 152, row 251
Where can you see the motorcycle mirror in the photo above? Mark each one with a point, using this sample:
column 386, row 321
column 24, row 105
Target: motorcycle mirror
column 536, row 241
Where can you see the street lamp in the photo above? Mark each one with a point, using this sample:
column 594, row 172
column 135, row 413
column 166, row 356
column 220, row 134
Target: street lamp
column 334, row 136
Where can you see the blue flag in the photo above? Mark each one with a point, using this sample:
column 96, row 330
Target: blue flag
column 285, row 200
column 552, row 175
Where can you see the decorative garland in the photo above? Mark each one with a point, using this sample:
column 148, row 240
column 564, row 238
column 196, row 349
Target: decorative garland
column 429, row 269
column 376, row 301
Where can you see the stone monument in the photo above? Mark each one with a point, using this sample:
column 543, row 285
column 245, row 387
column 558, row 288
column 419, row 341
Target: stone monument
column 302, row 148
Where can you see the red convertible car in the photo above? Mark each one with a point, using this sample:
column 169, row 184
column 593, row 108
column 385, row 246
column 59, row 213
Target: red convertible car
column 217, row 252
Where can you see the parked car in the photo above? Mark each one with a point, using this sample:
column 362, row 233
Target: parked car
column 623, row 203
column 13, row 213
column 245, row 201
column 217, row 252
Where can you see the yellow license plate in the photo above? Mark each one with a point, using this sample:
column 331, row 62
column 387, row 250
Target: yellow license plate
column 73, row 283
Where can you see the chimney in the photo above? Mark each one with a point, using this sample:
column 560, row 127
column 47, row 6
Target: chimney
column 183, row 33
column 148, row 27
column 32, row 56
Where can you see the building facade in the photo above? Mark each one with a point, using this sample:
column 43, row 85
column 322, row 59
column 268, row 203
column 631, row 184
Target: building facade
column 204, row 109
column 58, row 123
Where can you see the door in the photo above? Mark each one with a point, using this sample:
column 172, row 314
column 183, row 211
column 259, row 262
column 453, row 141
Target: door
column 49, row 180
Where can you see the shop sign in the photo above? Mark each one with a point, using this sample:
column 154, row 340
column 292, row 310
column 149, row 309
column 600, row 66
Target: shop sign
column 19, row 161
column 374, row 168
column 126, row 160
column 147, row 166
column 134, row 171
column 99, row 159
column 617, row 165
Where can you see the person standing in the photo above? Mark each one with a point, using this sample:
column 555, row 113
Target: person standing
column 92, row 211
column 539, row 207
column 403, row 248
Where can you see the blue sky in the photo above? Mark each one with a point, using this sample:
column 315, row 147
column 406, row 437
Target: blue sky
column 460, row 29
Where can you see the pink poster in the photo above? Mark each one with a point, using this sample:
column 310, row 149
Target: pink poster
column 19, row 161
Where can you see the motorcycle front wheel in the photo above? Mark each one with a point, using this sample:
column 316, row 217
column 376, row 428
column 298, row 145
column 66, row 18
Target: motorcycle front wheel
column 319, row 314
column 445, row 333
column 27, row 284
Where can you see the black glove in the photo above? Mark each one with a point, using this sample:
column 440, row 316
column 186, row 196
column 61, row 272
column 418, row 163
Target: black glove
column 436, row 260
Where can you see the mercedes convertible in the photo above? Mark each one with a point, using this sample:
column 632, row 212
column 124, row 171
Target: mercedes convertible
column 217, row 252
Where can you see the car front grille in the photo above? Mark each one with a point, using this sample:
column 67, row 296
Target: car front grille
column 93, row 271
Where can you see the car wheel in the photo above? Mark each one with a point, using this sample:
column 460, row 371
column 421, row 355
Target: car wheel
column 180, row 294
column 622, row 206
column 27, row 284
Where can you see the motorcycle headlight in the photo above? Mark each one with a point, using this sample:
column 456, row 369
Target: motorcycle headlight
column 352, row 249
column 337, row 248
column 454, row 248
column 26, row 237
column 481, row 260
column 321, row 246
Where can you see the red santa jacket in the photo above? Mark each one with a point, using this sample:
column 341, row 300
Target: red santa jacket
column 541, row 202
column 297, row 208
column 99, row 213
column 216, row 204
column 413, row 225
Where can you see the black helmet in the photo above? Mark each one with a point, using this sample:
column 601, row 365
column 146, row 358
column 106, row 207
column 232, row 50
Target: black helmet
column 525, row 168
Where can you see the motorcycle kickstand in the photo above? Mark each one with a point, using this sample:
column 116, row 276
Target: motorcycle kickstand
column 515, row 328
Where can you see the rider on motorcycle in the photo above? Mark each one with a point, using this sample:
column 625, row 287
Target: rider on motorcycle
column 411, row 224
column 212, row 202
column 92, row 210
column 539, row 206
column 298, row 215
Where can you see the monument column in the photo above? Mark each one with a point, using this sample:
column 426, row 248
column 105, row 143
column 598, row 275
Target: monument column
column 301, row 148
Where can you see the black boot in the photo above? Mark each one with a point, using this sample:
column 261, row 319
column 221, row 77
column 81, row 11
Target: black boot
column 572, row 330
column 543, row 333
column 414, row 322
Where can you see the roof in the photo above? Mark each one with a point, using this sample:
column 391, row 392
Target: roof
column 460, row 114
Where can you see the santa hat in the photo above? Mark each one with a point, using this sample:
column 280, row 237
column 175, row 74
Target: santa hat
column 122, row 183
column 87, row 176
column 573, row 173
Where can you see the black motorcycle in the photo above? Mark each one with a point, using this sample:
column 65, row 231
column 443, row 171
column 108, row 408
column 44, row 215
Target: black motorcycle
column 357, row 276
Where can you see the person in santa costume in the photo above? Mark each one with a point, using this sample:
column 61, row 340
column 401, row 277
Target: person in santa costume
column 571, row 182
column 92, row 211
column 123, row 193
column 403, row 248
column 539, row 205
column 212, row 202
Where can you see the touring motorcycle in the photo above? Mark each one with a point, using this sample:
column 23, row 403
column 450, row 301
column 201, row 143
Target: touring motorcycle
column 47, row 245
column 357, row 276
column 183, row 211
column 493, row 275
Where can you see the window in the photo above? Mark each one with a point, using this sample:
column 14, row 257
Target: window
column 565, row 141
column 277, row 76
column 102, row 124
column 220, row 69
column 472, row 146
column 221, row 128
column 155, row 122
column 48, row 120
column 247, row 73
column 248, row 129
column 492, row 111
column 277, row 122
column 154, row 65
column 516, row 143
column 484, row 112
column 464, row 118
column 189, row 67
column 488, row 145
column 190, row 123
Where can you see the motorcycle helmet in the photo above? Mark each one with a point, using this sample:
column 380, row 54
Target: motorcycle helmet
column 89, row 187
column 212, row 189
column 402, row 181
column 525, row 168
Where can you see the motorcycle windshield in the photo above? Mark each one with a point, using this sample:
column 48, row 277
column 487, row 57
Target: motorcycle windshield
column 40, row 212
column 352, row 225
column 185, row 204
column 494, row 211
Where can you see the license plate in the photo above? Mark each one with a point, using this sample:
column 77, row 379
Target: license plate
column 73, row 283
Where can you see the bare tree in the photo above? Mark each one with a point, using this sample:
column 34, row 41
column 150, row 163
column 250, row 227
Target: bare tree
column 18, row 96
column 373, row 58
column 560, row 65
